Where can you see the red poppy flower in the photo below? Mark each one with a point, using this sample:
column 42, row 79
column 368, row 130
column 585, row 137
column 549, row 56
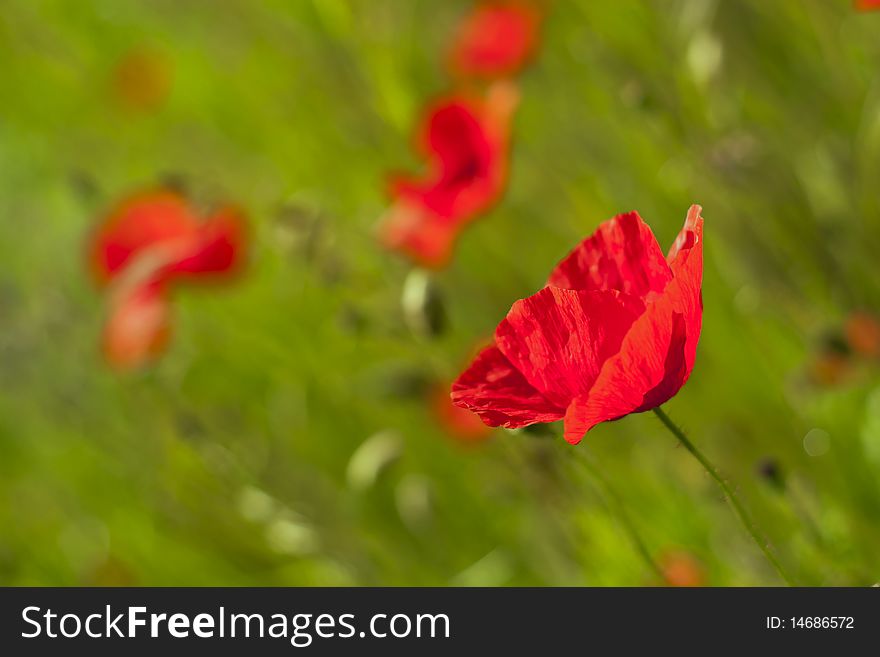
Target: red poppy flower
column 614, row 332
column 863, row 334
column 466, row 143
column 495, row 40
column 149, row 243
column 682, row 569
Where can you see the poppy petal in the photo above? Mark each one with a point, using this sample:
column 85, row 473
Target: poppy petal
column 455, row 420
column 423, row 235
column 558, row 339
column 456, row 135
column 495, row 40
column 137, row 224
column 686, row 262
column 657, row 355
column 218, row 248
column 496, row 391
column 464, row 159
column 638, row 378
column 138, row 328
column 622, row 254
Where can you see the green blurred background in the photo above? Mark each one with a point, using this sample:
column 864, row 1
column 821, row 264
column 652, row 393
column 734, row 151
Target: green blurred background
column 285, row 438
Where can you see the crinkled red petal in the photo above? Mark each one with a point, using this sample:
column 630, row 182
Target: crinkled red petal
column 558, row 339
column 622, row 254
column 456, row 421
column 496, row 391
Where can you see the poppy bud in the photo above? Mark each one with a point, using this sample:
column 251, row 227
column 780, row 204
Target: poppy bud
column 422, row 304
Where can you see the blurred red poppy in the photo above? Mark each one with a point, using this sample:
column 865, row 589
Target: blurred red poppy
column 863, row 334
column 614, row 332
column 495, row 40
column 466, row 143
column 680, row 568
column 867, row 5
column 457, row 422
column 837, row 358
column 148, row 244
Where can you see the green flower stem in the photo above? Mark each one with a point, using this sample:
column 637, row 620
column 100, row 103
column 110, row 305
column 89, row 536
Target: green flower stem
column 734, row 501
